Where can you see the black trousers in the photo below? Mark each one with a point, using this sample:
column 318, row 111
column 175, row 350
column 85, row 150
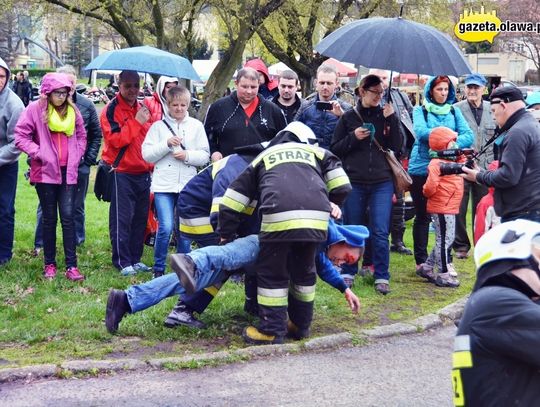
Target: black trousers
column 421, row 220
column 286, row 277
column 128, row 215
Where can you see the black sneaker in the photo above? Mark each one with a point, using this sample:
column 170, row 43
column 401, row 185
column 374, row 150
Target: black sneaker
column 185, row 269
column 117, row 307
column 401, row 249
column 182, row 314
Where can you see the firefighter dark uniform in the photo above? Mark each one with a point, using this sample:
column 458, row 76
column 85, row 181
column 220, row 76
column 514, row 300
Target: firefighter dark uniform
column 294, row 184
column 197, row 200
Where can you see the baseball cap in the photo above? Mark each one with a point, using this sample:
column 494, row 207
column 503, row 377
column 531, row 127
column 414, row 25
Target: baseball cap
column 506, row 94
column 475, row 79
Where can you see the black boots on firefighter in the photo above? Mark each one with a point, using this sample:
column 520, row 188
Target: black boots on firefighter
column 296, row 333
column 185, row 269
column 253, row 336
column 182, row 314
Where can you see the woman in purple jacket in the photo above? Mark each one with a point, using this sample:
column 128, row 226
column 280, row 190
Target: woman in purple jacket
column 51, row 131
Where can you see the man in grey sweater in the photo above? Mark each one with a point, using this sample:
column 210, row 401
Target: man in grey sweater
column 10, row 109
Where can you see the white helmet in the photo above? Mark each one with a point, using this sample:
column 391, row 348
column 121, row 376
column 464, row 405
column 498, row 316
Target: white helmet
column 303, row 132
column 515, row 240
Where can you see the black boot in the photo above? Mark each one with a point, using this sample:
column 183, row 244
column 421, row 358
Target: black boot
column 399, row 247
column 182, row 314
column 117, row 307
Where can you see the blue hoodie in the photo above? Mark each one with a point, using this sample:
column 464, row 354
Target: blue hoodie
column 454, row 120
column 11, row 107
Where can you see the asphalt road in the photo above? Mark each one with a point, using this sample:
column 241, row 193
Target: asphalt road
column 413, row 370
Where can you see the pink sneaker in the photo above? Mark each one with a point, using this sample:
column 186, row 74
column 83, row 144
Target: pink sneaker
column 49, row 272
column 74, row 274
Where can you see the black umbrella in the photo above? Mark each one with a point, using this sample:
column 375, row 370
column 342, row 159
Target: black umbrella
column 395, row 44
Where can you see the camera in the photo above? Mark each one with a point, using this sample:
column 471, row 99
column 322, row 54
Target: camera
column 320, row 105
column 455, row 168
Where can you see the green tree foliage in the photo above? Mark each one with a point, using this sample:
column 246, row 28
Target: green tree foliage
column 78, row 53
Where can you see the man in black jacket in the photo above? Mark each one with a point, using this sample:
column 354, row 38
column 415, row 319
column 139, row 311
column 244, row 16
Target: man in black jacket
column 496, row 359
column 94, row 136
column 517, row 180
column 242, row 118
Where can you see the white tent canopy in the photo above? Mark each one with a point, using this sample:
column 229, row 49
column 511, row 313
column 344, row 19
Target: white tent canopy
column 276, row 69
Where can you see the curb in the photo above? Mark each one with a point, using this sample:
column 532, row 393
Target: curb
column 445, row 315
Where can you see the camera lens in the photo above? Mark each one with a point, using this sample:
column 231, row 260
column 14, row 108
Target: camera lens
column 451, row 168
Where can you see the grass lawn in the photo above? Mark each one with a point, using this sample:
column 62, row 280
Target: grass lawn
column 48, row 322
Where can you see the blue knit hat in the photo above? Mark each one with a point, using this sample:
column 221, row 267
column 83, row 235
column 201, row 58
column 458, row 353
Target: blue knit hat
column 355, row 235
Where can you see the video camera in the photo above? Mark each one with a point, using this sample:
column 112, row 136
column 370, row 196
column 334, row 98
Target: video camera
column 455, row 168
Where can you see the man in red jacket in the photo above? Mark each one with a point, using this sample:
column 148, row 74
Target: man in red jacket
column 125, row 122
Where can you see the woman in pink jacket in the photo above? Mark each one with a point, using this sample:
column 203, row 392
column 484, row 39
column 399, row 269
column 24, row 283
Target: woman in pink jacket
column 51, row 131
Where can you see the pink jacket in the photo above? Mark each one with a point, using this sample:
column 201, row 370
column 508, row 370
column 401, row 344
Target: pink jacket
column 33, row 137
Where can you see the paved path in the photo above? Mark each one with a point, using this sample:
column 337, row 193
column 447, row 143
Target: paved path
column 412, row 370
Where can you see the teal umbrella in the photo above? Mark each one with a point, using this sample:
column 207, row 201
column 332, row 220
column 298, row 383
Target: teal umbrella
column 145, row 59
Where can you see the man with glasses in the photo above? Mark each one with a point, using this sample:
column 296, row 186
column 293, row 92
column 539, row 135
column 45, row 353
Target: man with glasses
column 10, row 109
column 478, row 116
column 125, row 122
column 323, row 117
column 517, row 180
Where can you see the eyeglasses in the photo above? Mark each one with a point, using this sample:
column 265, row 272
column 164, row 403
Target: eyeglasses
column 59, row 93
column 376, row 92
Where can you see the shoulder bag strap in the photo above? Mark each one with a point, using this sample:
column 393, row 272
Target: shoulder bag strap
column 172, row 132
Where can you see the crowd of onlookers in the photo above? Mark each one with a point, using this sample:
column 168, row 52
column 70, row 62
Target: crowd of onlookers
column 155, row 146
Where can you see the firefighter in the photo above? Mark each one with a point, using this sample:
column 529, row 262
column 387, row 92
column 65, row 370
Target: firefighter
column 294, row 182
column 196, row 202
column 496, row 358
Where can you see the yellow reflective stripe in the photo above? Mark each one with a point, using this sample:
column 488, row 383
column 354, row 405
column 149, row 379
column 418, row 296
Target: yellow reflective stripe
column 215, row 204
column 335, row 173
column 462, row 342
column 204, row 220
column 294, row 224
column 485, row 258
column 237, row 196
column 272, row 301
column 231, row 203
column 304, row 293
column 337, row 182
column 462, row 359
column 197, row 230
column 296, row 214
column 457, row 384
column 212, row 290
column 218, row 165
column 214, row 209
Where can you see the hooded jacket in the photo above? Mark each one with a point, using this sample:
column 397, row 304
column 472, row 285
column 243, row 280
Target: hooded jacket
column 269, row 88
column 171, row 174
column 454, row 121
column 11, row 108
column 32, row 135
column 157, row 104
column 443, row 193
column 293, row 183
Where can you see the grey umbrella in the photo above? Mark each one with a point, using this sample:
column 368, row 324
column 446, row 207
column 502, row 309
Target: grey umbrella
column 395, row 44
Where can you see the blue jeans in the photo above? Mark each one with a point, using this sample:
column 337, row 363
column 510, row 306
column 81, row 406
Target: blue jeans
column 165, row 203
column 212, row 262
column 378, row 198
column 8, row 189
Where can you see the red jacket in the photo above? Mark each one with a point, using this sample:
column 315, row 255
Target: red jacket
column 443, row 193
column 121, row 129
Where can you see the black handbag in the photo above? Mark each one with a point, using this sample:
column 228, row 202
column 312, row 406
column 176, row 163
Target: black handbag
column 104, row 177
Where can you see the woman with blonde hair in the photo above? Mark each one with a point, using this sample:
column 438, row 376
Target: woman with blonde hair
column 51, row 131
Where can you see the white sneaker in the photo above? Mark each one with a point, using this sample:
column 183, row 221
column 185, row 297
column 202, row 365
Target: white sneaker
column 451, row 270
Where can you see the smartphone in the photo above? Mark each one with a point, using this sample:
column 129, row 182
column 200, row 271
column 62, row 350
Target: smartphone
column 320, row 105
column 370, row 127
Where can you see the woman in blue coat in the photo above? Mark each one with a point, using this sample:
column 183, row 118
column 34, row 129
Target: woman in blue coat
column 436, row 111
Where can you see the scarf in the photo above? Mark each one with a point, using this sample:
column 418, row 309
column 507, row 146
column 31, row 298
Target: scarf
column 437, row 109
column 59, row 125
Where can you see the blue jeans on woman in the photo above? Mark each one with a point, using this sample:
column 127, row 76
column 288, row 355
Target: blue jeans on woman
column 378, row 198
column 213, row 264
column 165, row 203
